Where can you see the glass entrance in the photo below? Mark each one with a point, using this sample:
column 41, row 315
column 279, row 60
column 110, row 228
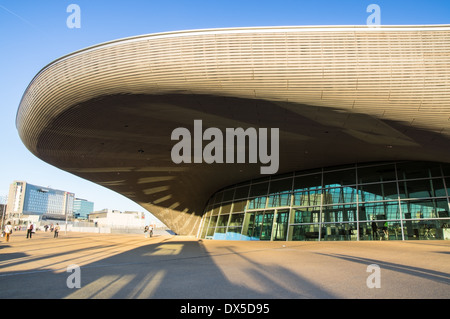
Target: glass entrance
column 266, row 230
column 258, row 225
column 281, row 225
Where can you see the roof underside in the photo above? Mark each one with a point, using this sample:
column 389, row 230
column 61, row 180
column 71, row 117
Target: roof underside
column 338, row 95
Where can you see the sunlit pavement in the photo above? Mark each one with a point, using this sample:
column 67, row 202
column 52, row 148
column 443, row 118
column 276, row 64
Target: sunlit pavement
column 133, row 267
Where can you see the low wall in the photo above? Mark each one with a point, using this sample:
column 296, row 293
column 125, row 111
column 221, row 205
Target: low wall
column 110, row 230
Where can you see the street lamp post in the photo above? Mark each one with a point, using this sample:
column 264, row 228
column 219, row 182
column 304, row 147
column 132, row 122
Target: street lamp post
column 4, row 200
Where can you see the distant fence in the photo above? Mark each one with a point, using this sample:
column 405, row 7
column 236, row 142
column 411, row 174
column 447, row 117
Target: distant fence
column 86, row 227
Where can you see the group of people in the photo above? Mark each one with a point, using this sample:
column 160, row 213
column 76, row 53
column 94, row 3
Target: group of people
column 31, row 229
column 385, row 230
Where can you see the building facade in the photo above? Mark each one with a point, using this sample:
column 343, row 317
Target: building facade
column 377, row 201
column 117, row 219
column 28, row 202
column 82, row 208
column 339, row 95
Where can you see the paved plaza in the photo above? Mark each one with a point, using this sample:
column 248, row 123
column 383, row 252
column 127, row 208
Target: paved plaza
column 175, row 267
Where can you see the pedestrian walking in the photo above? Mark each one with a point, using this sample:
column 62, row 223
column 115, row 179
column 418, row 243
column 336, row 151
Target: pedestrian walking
column 8, row 231
column 56, row 230
column 30, row 230
column 146, row 231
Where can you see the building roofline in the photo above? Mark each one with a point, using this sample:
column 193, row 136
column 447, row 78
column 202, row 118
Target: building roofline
column 234, row 30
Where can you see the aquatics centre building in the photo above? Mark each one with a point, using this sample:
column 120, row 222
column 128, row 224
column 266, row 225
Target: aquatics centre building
column 363, row 119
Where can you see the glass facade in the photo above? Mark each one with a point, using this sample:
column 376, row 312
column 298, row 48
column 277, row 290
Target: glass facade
column 82, row 208
column 377, row 201
column 47, row 202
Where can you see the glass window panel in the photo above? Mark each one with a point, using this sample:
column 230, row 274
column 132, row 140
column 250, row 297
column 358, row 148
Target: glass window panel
column 239, row 206
column 241, row 192
column 216, row 209
column 423, row 188
column 345, row 177
column 280, row 186
column 375, row 174
column 228, row 195
column 223, row 220
column 380, row 230
column 379, row 211
column 257, row 203
column 266, row 231
column 339, row 195
column 226, row 208
column 213, row 221
column 425, row 209
column 210, row 232
column 377, row 192
column 279, row 200
column 305, row 215
column 307, row 182
column 341, row 231
column 412, row 170
column 236, row 220
column 304, row 232
column 280, row 225
column 438, row 186
column 339, row 213
column 249, row 226
column 427, row 229
column 259, row 189
column 257, row 225
column 205, row 227
column 308, row 198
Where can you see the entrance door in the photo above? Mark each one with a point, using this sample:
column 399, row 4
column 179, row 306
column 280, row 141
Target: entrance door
column 266, row 230
column 281, row 225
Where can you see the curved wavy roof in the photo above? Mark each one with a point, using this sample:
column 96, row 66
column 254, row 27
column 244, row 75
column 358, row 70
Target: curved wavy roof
column 338, row 94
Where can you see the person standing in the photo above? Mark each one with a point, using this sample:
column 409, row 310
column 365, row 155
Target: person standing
column 30, row 230
column 8, row 231
column 374, row 230
column 56, row 230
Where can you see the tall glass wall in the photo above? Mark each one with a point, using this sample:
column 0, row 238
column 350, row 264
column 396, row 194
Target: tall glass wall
column 383, row 201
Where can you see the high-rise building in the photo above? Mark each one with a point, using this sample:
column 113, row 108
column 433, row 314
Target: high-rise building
column 31, row 202
column 82, row 208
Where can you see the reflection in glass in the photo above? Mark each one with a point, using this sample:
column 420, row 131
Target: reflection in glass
column 433, row 208
column 304, row 232
column 312, row 197
column 423, row 188
column 379, row 211
column 236, row 220
column 339, row 195
column 377, row 192
column 339, row 231
column 339, row 213
column 257, row 203
column 305, row 215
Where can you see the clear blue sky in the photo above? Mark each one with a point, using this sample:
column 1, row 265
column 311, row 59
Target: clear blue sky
column 34, row 33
